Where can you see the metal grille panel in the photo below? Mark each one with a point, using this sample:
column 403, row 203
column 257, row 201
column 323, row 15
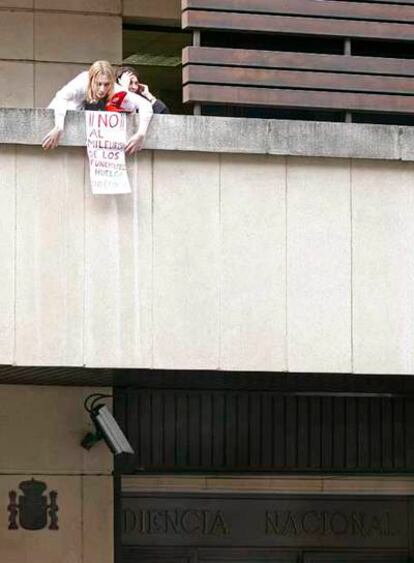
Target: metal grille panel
column 266, row 431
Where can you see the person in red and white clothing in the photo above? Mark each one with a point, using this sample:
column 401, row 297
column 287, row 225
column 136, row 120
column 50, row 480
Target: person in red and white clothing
column 97, row 89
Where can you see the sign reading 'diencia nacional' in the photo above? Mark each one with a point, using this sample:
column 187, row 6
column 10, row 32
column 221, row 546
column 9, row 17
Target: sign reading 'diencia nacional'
column 265, row 521
column 105, row 141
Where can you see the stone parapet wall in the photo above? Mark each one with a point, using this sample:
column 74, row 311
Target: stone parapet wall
column 230, row 135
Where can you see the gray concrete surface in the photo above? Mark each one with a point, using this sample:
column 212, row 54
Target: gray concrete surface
column 230, row 135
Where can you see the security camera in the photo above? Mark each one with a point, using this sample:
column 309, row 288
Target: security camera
column 106, row 426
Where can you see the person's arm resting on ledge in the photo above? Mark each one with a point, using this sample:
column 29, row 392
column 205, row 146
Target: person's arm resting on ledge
column 71, row 96
column 133, row 103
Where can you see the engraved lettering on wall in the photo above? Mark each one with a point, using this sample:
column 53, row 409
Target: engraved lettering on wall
column 316, row 523
column 189, row 522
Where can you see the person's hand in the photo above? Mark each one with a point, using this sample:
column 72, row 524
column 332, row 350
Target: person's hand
column 135, row 144
column 146, row 93
column 52, row 139
column 125, row 79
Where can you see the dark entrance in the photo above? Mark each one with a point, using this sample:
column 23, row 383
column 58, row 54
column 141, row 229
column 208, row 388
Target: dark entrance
column 246, row 528
column 255, row 556
column 258, row 424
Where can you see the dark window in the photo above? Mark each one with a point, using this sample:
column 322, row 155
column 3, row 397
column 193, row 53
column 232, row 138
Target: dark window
column 155, row 52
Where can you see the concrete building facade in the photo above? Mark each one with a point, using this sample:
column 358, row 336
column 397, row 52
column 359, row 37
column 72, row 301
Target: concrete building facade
column 252, row 255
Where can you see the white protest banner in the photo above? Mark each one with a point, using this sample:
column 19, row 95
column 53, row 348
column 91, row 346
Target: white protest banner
column 105, row 141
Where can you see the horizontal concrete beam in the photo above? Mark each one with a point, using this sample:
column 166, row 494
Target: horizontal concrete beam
column 230, row 135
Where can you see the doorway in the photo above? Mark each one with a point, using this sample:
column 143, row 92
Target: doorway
column 206, row 527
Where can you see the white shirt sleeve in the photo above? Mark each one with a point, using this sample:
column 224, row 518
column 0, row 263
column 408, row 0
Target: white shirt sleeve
column 133, row 102
column 71, row 96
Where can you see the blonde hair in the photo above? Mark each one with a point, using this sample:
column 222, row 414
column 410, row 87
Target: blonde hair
column 99, row 67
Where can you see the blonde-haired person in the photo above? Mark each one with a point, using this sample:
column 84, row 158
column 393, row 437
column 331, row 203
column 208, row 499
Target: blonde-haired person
column 95, row 90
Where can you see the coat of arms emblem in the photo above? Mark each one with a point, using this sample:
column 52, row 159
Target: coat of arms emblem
column 33, row 509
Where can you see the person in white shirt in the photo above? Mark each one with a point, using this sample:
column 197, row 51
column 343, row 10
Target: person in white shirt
column 97, row 89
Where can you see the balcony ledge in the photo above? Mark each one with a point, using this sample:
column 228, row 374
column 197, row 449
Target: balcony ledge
column 230, row 135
